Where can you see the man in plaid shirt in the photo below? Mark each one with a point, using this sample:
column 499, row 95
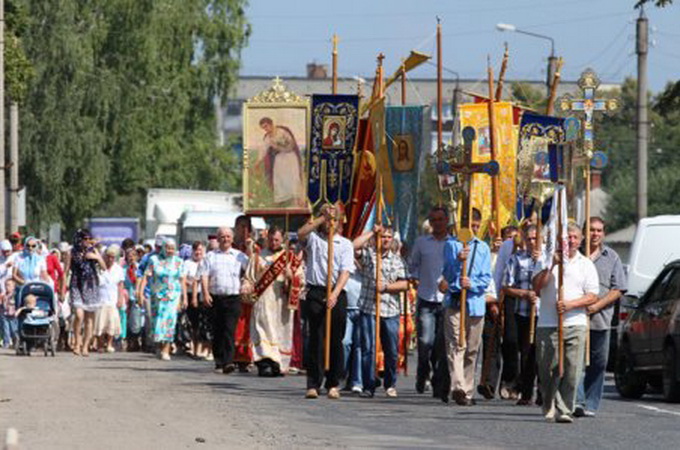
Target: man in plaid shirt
column 392, row 282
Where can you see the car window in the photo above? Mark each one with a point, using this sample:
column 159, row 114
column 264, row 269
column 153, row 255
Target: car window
column 650, row 262
column 672, row 290
column 658, row 289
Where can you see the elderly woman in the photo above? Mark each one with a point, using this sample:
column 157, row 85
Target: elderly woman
column 107, row 323
column 83, row 287
column 164, row 272
column 199, row 314
column 30, row 265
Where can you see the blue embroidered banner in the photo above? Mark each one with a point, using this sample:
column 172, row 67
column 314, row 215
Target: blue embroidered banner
column 404, row 127
column 333, row 132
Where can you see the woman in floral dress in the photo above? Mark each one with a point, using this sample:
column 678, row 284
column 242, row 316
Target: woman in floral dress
column 164, row 272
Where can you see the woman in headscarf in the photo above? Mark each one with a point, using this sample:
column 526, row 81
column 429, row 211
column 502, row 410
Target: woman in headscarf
column 164, row 272
column 134, row 320
column 107, row 323
column 83, row 287
column 30, row 265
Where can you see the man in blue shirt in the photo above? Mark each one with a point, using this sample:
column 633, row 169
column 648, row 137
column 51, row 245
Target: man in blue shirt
column 462, row 358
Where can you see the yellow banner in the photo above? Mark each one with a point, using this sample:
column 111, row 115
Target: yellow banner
column 476, row 115
column 382, row 159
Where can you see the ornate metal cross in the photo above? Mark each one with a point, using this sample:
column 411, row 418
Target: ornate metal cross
column 588, row 105
column 466, row 169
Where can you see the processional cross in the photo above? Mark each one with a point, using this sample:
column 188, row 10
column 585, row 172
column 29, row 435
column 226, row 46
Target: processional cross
column 588, row 106
column 466, row 169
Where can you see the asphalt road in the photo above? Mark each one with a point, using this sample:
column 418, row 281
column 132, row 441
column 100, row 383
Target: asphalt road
column 131, row 400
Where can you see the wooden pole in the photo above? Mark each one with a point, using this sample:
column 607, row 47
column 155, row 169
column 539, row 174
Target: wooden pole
column 553, row 89
column 560, row 284
column 587, row 232
column 329, row 289
column 495, row 199
column 403, row 83
column 14, row 166
column 532, row 313
column 463, row 305
column 3, row 207
column 406, row 322
column 440, row 81
column 501, row 75
column 334, row 85
column 378, row 269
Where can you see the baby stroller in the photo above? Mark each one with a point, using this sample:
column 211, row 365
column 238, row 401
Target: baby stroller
column 40, row 326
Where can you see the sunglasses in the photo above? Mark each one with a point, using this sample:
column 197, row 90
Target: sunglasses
column 31, row 246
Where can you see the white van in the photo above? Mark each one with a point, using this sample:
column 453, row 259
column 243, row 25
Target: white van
column 656, row 243
column 197, row 225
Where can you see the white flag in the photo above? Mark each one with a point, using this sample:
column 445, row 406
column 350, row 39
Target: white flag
column 550, row 231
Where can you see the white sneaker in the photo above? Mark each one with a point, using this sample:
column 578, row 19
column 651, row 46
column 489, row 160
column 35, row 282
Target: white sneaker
column 356, row 390
column 564, row 418
column 165, row 357
column 391, row 392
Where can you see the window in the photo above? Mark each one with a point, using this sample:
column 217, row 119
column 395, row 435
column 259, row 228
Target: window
column 658, row 289
column 672, row 290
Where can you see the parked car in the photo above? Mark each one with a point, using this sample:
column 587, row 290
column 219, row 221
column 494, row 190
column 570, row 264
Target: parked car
column 649, row 339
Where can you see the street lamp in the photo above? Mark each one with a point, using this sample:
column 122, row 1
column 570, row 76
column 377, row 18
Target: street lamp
column 552, row 59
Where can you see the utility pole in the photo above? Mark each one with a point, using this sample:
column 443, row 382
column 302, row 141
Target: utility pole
column 552, row 68
column 14, row 167
column 3, row 162
column 642, row 118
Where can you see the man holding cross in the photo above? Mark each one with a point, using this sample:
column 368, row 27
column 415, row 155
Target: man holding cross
column 581, row 286
column 462, row 356
column 316, row 304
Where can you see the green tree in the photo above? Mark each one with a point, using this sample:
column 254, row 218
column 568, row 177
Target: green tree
column 124, row 99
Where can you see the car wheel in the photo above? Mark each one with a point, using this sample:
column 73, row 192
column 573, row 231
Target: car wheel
column 671, row 386
column 629, row 383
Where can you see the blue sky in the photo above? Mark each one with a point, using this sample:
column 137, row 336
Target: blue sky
column 287, row 34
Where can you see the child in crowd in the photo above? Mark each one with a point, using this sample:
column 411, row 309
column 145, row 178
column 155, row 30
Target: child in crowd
column 8, row 318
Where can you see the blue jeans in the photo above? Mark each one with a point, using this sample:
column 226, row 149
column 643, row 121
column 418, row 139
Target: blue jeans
column 352, row 344
column 389, row 339
column 428, row 326
column 591, row 387
column 8, row 327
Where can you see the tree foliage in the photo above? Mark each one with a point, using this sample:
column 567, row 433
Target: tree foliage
column 658, row 3
column 124, row 99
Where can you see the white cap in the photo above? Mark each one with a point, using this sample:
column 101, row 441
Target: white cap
column 5, row 245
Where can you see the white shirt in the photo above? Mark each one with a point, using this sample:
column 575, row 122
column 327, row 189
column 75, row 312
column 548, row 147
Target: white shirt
column 190, row 269
column 223, row 270
column 317, row 258
column 504, row 255
column 580, row 278
column 108, row 285
column 426, row 264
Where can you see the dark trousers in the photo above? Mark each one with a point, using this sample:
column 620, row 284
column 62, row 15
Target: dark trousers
column 491, row 360
column 527, row 376
column 314, row 308
column 510, row 346
column 430, row 330
column 226, row 311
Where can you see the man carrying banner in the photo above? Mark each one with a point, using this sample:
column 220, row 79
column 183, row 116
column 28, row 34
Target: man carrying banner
column 580, row 287
column 393, row 281
column 316, row 304
column 425, row 267
column 462, row 356
column 273, row 275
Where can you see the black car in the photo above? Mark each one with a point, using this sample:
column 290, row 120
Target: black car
column 649, row 340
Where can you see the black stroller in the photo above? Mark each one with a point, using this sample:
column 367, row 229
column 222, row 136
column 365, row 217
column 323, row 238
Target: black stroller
column 39, row 326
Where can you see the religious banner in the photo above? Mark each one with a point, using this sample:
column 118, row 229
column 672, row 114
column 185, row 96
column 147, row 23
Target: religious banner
column 363, row 190
column 404, row 126
column 333, row 134
column 536, row 133
column 275, row 130
column 382, row 159
column 476, row 115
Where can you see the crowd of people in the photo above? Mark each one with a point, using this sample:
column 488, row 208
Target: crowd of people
column 246, row 302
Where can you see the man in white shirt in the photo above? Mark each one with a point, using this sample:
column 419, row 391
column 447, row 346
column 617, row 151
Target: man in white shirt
column 581, row 286
column 221, row 282
column 316, row 304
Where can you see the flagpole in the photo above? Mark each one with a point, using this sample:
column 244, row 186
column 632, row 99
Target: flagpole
column 378, row 269
column 560, row 283
column 334, row 85
column 329, row 289
column 501, row 75
column 403, row 83
column 553, row 88
column 492, row 145
column 440, row 80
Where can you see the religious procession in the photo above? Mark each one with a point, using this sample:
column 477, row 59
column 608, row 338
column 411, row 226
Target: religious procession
column 396, row 247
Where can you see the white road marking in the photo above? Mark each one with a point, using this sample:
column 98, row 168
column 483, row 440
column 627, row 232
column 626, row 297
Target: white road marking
column 655, row 409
